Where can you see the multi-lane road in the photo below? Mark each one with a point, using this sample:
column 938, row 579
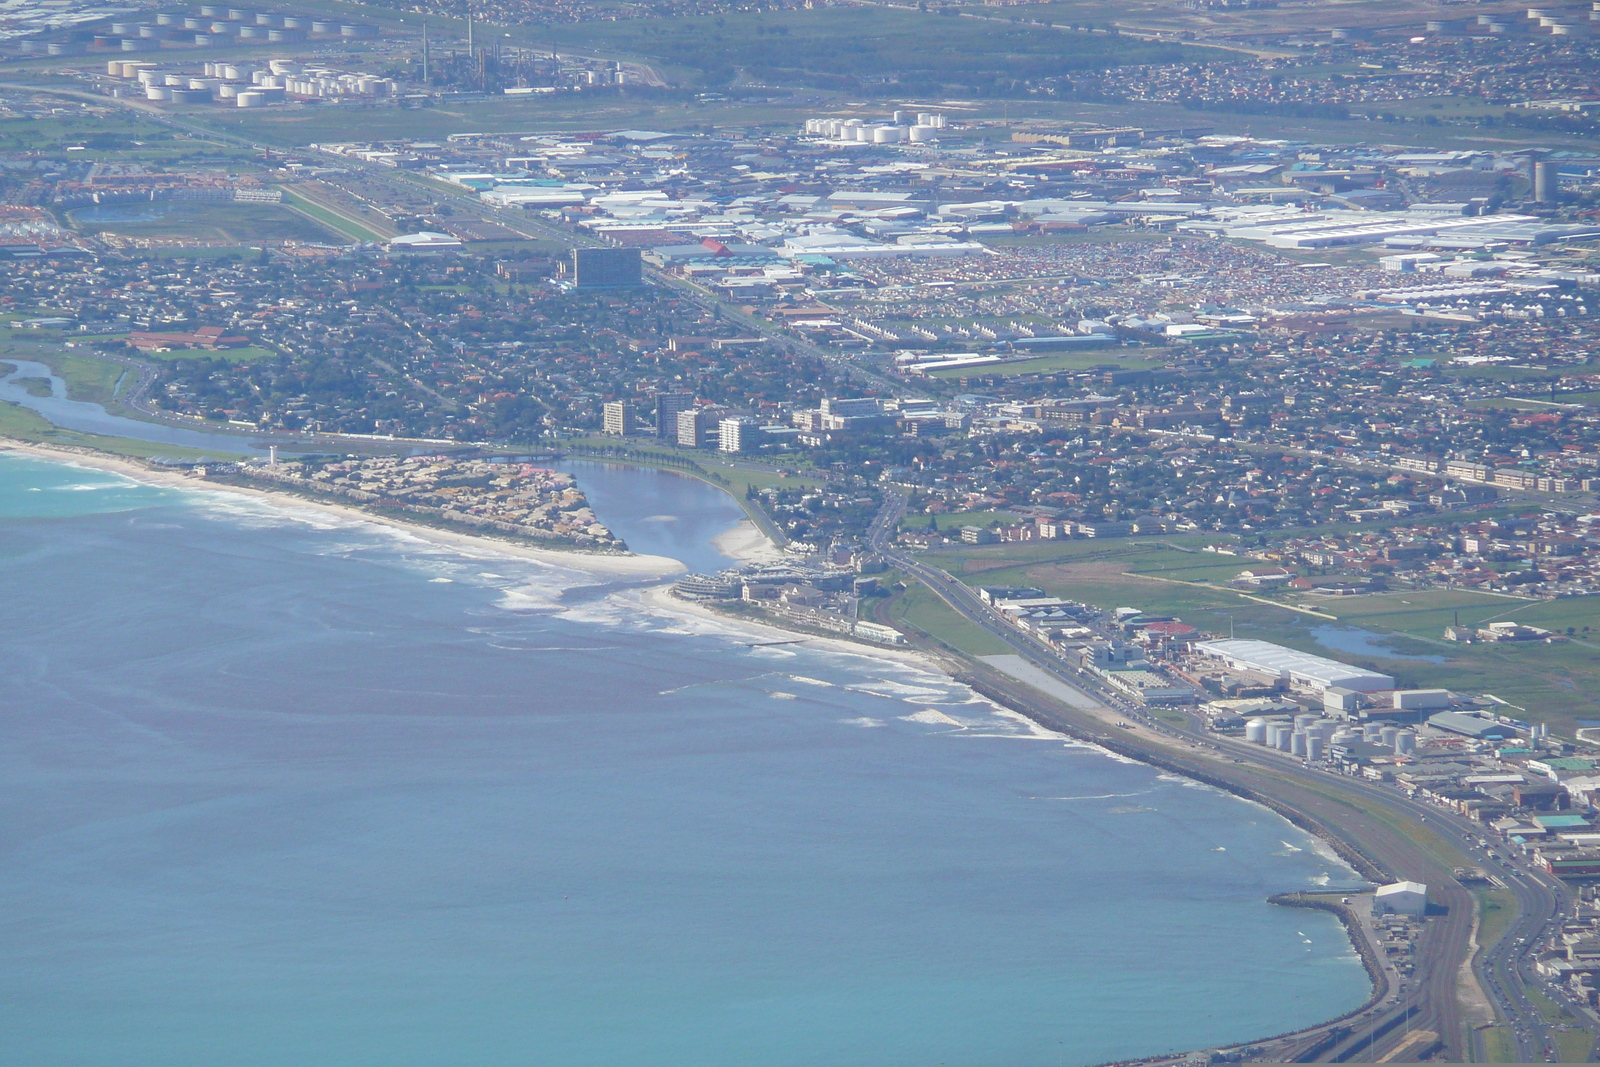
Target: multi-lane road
column 1379, row 828
column 1454, row 989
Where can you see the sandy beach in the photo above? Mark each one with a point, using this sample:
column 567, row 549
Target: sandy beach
column 744, row 543
column 661, row 598
column 747, row 544
column 611, row 566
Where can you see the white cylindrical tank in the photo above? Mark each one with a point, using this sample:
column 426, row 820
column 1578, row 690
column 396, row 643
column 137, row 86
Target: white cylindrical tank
column 886, row 135
column 177, row 80
column 168, row 18
column 152, row 77
column 114, row 68
column 1297, row 743
column 1255, row 731
column 1316, row 749
column 1405, row 743
column 1281, row 736
column 1386, row 734
column 1372, row 732
column 252, row 98
column 228, row 91
column 228, row 71
column 920, row 134
column 208, row 84
column 157, row 92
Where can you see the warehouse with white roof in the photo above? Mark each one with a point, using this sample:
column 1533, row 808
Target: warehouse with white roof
column 1401, row 898
column 1298, row 668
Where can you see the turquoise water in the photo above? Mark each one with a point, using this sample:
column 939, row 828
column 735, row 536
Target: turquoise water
column 92, row 418
column 277, row 789
column 651, row 504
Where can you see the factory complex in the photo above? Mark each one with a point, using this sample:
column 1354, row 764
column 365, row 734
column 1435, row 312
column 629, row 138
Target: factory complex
column 1300, row 668
column 243, row 84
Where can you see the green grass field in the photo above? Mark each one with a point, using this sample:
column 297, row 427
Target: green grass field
column 851, row 48
column 1495, row 911
column 86, row 377
column 919, row 608
column 225, row 223
column 21, row 424
column 956, row 520
column 1499, row 1045
column 1556, row 683
column 1574, row 1046
column 336, row 222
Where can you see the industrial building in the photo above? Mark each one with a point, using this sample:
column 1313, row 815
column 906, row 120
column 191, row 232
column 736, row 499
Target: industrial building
column 424, row 243
column 1294, row 667
column 1401, row 898
column 1480, row 727
column 606, row 268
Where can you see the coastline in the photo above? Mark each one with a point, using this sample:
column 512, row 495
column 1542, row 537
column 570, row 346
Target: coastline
column 626, row 566
column 744, row 543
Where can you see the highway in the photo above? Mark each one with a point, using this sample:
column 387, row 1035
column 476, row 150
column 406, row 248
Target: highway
column 1380, row 835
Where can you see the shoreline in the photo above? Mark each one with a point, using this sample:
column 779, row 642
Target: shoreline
column 630, row 565
column 746, row 543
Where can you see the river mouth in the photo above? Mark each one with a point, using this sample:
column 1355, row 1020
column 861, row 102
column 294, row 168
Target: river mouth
column 20, row 386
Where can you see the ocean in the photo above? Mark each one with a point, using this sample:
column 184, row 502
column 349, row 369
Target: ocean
column 283, row 788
